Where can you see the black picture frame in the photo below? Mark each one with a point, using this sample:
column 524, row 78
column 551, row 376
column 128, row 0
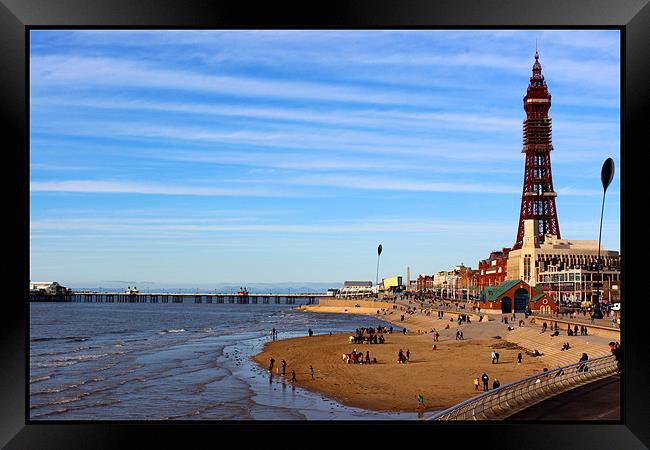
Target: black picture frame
column 632, row 17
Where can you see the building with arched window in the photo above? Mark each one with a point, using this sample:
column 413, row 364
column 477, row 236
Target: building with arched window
column 515, row 296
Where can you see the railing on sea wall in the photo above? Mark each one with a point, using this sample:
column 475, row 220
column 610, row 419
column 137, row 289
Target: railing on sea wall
column 500, row 403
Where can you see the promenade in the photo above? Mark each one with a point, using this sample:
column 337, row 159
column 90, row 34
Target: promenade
column 600, row 400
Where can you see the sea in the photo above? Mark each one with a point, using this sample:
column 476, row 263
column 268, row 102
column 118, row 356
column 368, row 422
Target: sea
column 174, row 361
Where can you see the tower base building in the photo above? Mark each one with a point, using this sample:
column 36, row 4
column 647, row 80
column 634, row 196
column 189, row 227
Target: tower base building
column 567, row 270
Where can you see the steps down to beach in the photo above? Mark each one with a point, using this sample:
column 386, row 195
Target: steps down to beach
column 530, row 338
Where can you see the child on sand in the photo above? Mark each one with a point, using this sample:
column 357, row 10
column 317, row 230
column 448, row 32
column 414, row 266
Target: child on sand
column 476, row 383
column 311, row 372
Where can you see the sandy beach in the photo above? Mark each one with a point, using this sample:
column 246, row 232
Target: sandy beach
column 443, row 376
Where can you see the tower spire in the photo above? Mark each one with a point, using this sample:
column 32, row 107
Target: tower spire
column 538, row 196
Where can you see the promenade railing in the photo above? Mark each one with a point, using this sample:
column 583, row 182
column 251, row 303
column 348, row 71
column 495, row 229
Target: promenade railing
column 500, row 403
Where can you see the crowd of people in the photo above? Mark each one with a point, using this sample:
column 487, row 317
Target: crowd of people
column 370, row 335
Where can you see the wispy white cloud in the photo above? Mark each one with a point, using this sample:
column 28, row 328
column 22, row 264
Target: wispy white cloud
column 118, row 187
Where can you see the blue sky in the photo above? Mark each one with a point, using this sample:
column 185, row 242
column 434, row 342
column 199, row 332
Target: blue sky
column 206, row 157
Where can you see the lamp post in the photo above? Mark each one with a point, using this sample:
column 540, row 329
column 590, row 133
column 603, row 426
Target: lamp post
column 379, row 249
column 606, row 175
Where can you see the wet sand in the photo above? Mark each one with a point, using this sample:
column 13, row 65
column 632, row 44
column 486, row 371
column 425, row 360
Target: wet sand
column 443, row 376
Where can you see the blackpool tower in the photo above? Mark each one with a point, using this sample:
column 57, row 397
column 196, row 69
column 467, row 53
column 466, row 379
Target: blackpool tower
column 538, row 196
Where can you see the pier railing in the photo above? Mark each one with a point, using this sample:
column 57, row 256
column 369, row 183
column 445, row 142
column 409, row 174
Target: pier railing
column 500, row 403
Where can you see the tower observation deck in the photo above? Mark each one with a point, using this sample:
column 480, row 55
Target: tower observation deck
column 538, row 196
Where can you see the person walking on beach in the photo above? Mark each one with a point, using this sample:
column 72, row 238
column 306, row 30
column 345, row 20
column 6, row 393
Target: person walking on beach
column 462, row 336
column 420, row 401
column 496, row 354
column 476, row 383
column 311, row 372
column 494, row 357
column 293, row 375
column 408, row 354
column 457, row 334
column 485, row 379
column 311, row 333
column 367, row 357
column 271, row 365
column 519, row 358
column 284, row 367
column 404, row 331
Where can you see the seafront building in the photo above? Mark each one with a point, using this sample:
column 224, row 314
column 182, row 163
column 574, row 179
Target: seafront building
column 566, row 269
column 493, row 270
column 47, row 288
column 461, row 282
column 515, row 296
column 357, row 288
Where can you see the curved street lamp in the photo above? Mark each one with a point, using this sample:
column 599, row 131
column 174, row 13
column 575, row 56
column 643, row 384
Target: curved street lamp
column 379, row 249
column 606, row 176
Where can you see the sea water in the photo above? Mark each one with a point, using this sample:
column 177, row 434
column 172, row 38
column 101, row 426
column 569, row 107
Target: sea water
column 166, row 361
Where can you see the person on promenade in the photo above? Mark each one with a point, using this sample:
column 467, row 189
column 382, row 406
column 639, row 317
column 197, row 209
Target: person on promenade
column 495, row 384
column 485, row 379
column 476, row 384
column 284, row 367
column 271, row 365
column 575, row 330
column 311, row 372
column 586, row 334
column 311, row 333
column 617, row 351
column 519, row 358
column 583, row 359
column 293, row 375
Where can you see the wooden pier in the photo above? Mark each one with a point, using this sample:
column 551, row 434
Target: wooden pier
column 146, row 297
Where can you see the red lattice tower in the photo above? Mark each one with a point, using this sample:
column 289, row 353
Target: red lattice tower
column 538, row 197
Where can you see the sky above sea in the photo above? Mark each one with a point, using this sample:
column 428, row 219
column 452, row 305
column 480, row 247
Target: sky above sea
column 230, row 156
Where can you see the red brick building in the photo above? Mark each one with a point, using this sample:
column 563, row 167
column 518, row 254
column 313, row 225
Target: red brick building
column 515, row 296
column 493, row 270
column 424, row 283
